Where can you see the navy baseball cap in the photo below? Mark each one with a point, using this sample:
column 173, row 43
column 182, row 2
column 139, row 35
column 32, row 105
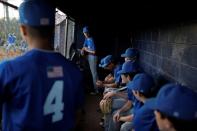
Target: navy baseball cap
column 176, row 101
column 36, row 13
column 130, row 52
column 106, row 61
column 143, row 83
column 129, row 67
column 85, row 29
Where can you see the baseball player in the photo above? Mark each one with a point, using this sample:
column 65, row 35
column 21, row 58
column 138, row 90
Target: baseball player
column 11, row 42
column 23, row 46
column 113, row 79
column 122, row 102
column 144, row 118
column 175, row 108
column 131, row 54
column 89, row 49
column 40, row 90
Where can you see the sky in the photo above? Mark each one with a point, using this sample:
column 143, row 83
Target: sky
column 15, row 2
column 12, row 12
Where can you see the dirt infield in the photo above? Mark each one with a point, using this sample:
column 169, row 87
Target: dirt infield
column 10, row 54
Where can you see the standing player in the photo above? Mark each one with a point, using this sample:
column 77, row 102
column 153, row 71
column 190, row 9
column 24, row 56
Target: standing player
column 23, row 46
column 11, row 42
column 41, row 90
column 89, row 49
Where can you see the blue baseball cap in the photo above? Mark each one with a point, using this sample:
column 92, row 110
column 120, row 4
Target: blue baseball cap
column 36, row 13
column 101, row 62
column 85, row 29
column 176, row 101
column 106, row 61
column 130, row 52
column 143, row 83
column 129, row 67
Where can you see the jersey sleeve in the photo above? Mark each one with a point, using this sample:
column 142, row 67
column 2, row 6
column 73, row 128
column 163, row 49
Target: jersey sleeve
column 130, row 94
column 85, row 43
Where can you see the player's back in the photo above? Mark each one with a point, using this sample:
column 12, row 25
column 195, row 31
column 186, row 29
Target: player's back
column 41, row 90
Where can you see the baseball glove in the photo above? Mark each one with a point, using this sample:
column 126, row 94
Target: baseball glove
column 106, row 105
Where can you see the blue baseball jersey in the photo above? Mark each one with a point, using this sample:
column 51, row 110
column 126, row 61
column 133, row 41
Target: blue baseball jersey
column 9, row 40
column 89, row 43
column 40, row 91
column 13, row 39
column 144, row 119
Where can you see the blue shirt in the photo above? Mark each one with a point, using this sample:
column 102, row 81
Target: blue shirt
column 116, row 75
column 9, row 39
column 13, row 39
column 144, row 119
column 89, row 43
column 39, row 92
column 136, row 103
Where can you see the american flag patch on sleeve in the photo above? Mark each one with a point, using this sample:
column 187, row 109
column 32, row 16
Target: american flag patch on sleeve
column 54, row 71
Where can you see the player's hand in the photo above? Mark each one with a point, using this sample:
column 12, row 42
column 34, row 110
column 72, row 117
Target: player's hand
column 116, row 117
column 108, row 77
column 121, row 118
column 109, row 95
column 84, row 49
column 99, row 83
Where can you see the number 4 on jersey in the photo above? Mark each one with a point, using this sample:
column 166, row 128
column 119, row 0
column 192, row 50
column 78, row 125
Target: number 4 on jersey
column 54, row 103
